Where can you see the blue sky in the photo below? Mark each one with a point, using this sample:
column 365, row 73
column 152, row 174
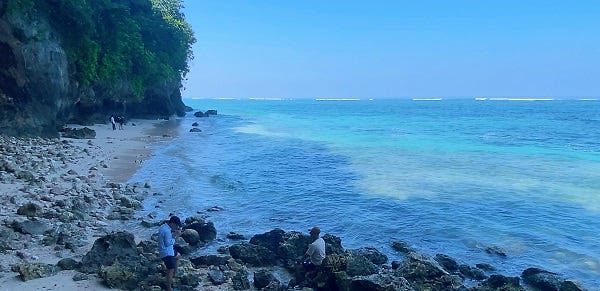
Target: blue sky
column 394, row 49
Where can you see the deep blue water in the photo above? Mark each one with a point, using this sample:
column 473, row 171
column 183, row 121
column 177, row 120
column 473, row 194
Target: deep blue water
column 450, row 176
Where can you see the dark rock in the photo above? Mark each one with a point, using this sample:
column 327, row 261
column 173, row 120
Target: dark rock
column 30, row 226
column 118, row 276
column 68, row 264
column 426, row 274
column 494, row 250
column 206, row 231
column 402, row 247
column 542, row 279
column 262, row 278
column 188, row 109
column 396, row 265
column 80, row 277
column 372, row 254
column 83, row 133
column 200, row 114
column 499, row 282
column 235, row 236
column 269, row 240
column 293, row 248
column 359, row 265
column 29, row 271
column 252, row 254
column 210, row 260
column 333, row 244
column 115, row 246
column 210, row 112
column 195, row 130
column 379, row 282
column 7, row 239
column 275, row 286
column 30, row 210
column 191, row 236
column 217, row 276
column 240, row 280
column 195, row 124
column 447, row 262
column 471, row 273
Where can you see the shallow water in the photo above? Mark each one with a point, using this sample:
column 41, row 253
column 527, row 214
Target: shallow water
column 450, row 176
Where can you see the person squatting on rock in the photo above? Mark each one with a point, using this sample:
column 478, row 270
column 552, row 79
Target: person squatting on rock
column 314, row 255
column 166, row 240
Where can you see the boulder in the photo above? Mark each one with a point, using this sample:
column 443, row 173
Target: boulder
column 499, row 282
column 333, row 244
column 30, row 226
column 200, row 114
column 240, row 280
column 262, row 278
column 217, row 277
column 471, row 273
column 195, row 124
column 448, row 263
column 195, row 130
column 379, row 282
column 206, row 230
column 269, row 240
column 235, row 236
column 495, row 250
column 425, row 273
column 253, row 254
column 68, row 264
column 30, row 210
column 545, row 280
column 358, row 264
column 118, row 276
column 402, row 247
column 372, row 254
column 115, row 246
column 29, row 271
column 210, row 112
column 191, row 236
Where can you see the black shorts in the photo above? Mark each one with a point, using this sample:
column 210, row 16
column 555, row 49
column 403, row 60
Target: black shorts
column 308, row 266
column 170, row 262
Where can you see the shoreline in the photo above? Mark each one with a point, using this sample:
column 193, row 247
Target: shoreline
column 96, row 171
column 66, row 170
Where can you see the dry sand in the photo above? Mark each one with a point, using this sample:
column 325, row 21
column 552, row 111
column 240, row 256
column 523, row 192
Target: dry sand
column 115, row 155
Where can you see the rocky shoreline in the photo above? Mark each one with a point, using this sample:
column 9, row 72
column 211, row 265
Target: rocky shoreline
column 59, row 214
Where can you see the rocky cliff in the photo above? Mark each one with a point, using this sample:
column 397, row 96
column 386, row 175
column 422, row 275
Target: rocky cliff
column 69, row 61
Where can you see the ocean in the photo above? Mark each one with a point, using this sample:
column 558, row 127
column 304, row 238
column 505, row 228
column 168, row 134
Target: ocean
column 446, row 176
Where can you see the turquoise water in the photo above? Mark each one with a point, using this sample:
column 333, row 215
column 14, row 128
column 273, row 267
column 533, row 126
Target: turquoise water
column 450, row 176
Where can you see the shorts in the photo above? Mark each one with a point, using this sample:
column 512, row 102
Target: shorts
column 308, row 266
column 170, row 262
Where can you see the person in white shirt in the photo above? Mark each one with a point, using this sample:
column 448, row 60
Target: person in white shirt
column 166, row 240
column 314, row 255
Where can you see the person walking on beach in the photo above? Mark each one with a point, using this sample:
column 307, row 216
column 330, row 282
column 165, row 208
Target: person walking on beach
column 112, row 121
column 120, row 120
column 314, row 254
column 166, row 240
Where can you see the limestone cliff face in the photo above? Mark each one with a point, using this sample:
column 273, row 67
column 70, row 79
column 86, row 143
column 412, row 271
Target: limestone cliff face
column 38, row 93
column 34, row 82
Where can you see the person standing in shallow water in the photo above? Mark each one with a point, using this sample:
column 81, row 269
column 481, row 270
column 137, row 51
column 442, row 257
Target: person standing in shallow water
column 314, row 256
column 166, row 239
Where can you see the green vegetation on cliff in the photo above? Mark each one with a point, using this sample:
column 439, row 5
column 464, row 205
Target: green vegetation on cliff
column 120, row 48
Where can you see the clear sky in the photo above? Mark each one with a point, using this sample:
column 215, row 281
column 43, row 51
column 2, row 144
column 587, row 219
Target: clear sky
column 392, row 49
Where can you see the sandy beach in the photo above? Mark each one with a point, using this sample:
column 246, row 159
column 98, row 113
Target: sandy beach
column 66, row 170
